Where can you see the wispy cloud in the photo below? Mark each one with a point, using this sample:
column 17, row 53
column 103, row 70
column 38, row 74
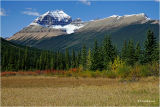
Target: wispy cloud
column 157, row 0
column 2, row 12
column 31, row 12
column 29, row 8
column 86, row 2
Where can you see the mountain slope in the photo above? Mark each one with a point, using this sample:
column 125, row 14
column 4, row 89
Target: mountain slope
column 137, row 32
column 119, row 27
column 50, row 24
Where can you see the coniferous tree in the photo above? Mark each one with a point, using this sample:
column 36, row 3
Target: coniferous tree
column 89, row 59
column 41, row 65
column 100, row 59
column 124, row 51
column 79, row 58
column 19, row 60
column 73, row 61
column 26, row 58
column 94, row 58
column 109, row 51
column 58, row 62
column 137, row 52
column 52, row 62
column 67, row 59
column 156, row 53
column 38, row 64
column 149, row 47
column 61, row 65
column 130, row 53
column 84, row 57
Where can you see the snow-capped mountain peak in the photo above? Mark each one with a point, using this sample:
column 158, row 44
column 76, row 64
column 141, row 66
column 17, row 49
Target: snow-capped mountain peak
column 57, row 17
column 59, row 14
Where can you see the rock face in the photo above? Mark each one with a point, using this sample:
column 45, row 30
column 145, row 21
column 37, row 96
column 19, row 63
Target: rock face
column 50, row 18
column 56, row 30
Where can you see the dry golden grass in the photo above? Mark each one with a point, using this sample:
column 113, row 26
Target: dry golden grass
column 56, row 91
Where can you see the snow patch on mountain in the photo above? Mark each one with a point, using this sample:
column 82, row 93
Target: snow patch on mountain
column 34, row 24
column 115, row 16
column 140, row 14
column 125, row 16
column 70, row 28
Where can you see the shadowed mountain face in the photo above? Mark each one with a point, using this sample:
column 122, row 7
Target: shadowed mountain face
column 54, row 18
column 56, row 37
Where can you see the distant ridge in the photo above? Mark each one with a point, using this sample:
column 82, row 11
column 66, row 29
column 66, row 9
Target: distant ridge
column 55, row 30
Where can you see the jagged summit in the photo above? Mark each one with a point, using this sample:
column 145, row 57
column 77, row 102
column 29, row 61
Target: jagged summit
column 57, row 17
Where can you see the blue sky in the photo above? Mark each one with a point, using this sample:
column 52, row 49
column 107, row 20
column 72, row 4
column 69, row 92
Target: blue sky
column 16, row 15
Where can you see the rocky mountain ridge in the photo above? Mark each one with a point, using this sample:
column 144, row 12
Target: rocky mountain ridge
column 59, row 34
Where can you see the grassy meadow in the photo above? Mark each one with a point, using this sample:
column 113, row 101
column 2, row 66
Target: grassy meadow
column 72, row 91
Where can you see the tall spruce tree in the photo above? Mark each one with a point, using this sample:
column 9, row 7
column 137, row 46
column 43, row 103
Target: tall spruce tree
column 26, row 58
column 95, row 55
column 130, row 53
column 89, row 59
column 124, row 51
column 73, row 61
column 149, row 47
column 101, row 58
column 109, row 51
column 156, row 53
column 52, row 62
column 67, row 59
column 84, row 57
column 19, row 60
column 137, row 52
column 78, row 59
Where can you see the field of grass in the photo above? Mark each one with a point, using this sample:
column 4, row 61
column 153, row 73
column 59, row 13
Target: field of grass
column 71, row 91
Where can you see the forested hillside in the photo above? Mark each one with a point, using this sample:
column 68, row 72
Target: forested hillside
column 16, row 57
column 100, row 57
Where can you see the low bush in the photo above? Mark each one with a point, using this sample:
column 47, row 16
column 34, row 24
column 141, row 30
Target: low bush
column 109, row 74
column 145, row 71
column 123, row 71
column 154, row 68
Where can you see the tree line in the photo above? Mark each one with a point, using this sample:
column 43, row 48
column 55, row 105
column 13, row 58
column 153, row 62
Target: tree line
column 98, row 58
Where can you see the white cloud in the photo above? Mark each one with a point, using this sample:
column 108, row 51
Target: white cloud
column 2, row 12
column 29, row 8
column 31, row 12
column 157, row 0
column 85, row 2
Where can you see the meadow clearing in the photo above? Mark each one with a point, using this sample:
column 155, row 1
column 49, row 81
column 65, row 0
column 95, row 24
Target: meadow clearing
column 71, row 91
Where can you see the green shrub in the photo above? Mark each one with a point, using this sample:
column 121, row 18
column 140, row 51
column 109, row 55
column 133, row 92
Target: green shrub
column 135, row 73
column 109, row 74
column 154, row 69
column 85, row 74
column 145, row 71
column 69, row 73
column 123, row 71
column 93, row 74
